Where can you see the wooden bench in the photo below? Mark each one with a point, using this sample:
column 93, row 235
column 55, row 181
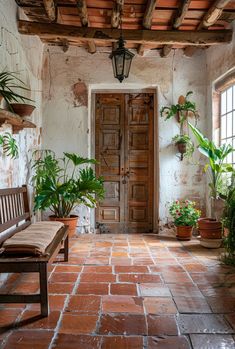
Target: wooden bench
column 14, row 217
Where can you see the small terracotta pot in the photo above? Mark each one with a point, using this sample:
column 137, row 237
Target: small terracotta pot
column 184, row 233
column 182, row 147
column 22, row 109
column 70, row 221
column 226, row 232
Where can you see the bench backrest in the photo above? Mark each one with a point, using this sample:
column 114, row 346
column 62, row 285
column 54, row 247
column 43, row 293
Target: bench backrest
column 14, row 211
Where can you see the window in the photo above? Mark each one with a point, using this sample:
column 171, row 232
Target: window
column 227, row 120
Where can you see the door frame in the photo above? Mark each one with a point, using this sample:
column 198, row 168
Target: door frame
column 156, row 168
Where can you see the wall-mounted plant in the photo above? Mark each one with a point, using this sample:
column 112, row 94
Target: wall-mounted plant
column 9, row 81
column 9, row 145
column 185, row 145
column 182, row 110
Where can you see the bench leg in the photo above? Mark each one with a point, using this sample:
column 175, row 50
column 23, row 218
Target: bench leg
column 66, row 249
column 43, row 289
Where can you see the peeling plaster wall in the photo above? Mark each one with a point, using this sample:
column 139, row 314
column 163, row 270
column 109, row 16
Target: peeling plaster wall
column 67, row 121
column 24, row 55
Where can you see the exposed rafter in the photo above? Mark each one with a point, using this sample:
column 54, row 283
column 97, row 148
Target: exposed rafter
column 141, row 50
column 155, row 37
column 190, row 50
column 50, row 8
column 183, row 8
column 148, row 15
column 213, row 14
column 83, row 15
column 82, row 12
column 116, row 13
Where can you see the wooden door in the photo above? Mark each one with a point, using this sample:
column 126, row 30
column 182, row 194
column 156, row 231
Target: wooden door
column 124, row 149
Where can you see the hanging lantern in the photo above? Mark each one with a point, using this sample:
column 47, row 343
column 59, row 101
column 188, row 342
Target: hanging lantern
column 121, row 60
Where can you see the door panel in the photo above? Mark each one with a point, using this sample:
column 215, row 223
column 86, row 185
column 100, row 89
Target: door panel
column 124, row 149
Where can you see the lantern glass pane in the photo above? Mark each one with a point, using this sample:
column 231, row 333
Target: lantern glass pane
column 128, row 59
column 120, row 62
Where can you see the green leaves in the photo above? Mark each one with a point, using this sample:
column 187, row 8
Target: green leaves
column 10, row 147
column 60, row 185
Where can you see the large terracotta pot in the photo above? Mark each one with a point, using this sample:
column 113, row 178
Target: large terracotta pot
column 184, row 233
column 210, row 228
column 70, row 221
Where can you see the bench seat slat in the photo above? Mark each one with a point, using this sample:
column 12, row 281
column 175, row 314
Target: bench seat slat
column 14, row 221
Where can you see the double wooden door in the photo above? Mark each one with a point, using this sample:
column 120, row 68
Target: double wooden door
column 124, row 149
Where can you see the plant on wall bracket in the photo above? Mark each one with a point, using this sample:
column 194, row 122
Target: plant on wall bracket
column 182, row 110
column 9, row 145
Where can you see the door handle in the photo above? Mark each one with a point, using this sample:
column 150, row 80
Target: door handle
column 128, row 173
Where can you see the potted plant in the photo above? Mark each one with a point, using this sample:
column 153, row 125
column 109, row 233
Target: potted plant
column 228, row 220
column 9, row 145
column 185, row 217
column 185, row 145
column 211, row 228
column 8, row 83
column 61, row 185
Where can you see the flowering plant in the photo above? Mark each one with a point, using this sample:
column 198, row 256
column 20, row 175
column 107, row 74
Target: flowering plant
column 184, row 213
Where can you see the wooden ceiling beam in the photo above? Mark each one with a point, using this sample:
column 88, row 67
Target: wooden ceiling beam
column 155, row 37
column 116, row 13
column 50, row 9
column 140, row 50
column 213, row 14
column 148, row 15
column 166, row 50
column 181, row 13
column 83, row 15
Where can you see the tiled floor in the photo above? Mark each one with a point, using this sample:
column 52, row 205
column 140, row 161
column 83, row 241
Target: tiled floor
column 127, row 292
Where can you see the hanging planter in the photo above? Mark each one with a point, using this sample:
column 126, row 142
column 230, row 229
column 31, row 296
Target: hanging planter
column 185, row 146
column 22, row 109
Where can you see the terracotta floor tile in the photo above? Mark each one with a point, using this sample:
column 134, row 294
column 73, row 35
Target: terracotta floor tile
column 203, row 323
column 154, row 290
column 231, row 319
column 56, row 302
column 69, row 341
column 68, row 269
column 63, row 277
column 8, row 317
column 196, row 268
column 96, row 261
column 173, row 342
column 123, row 324
column 192, row 305
column 84, row 304
column 212, row 341
column 98, row 269
column 35, row 339
column 139, row 278
column 131, row 269
column 93, row 288
column 175, row 278
column 222, row 304
column 122, row 304
column 143, row 261
column 122, row 343
column 119, row 254
column 92, row 277
column 60, row 288
column 121, row 261
column 166, row 268
column 28, row 287
column 123, row 289
column 162, row 325
column 216, row 290
column 78, row 324
column 31, row 319
column 159, row 305
column 185, row 290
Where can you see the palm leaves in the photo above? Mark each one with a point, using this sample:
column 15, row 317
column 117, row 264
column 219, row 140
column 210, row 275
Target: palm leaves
column 216, row 156
column 60, row 185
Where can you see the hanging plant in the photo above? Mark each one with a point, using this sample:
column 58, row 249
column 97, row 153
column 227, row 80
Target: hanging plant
column 185, row 146
column 9, row 145
column 181, row 110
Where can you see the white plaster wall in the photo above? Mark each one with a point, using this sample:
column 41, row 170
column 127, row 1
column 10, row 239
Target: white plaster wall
column 24, row 55
column 67, row 126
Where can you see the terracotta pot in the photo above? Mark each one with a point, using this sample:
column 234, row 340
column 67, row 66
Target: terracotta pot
column 182, row 147
column 22, row 109
column 184, row 233
column 70, row 221
column 210, row 228
column 211, row 243
column 226, row 232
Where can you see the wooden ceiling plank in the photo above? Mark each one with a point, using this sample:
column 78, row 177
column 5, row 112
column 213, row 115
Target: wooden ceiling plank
column 148, row 16
column 183, row 8
column 50, row 9
column 116, row 13
column 201, row 38
column 213, row 14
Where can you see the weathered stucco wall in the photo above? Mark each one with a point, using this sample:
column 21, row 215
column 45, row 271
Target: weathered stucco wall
column 67, row 120
column 23, row 55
